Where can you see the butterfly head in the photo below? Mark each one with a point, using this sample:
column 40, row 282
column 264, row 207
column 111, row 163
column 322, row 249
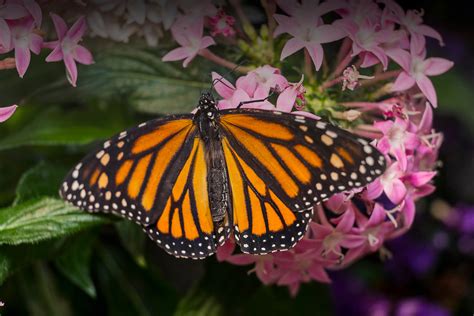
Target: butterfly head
column 207, row 102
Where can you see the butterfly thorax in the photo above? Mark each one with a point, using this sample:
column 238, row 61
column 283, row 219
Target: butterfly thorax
column 207, row 119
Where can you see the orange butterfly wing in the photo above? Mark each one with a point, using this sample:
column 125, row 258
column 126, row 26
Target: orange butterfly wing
column 280, row 165
column 155, row 175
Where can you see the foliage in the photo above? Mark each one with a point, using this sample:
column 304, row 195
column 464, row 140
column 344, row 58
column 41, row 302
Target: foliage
column 57, row 260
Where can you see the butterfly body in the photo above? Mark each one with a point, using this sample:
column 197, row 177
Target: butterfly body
column 192, row 180
column 207, row 120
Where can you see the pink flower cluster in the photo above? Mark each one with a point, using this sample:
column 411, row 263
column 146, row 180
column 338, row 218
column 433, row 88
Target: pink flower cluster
column 374, row 36
column 352, row 224
column 20, row 32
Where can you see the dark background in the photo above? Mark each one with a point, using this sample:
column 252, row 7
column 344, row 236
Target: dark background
column 435, row 277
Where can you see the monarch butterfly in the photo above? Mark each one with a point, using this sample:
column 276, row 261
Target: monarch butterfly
column 191, row 180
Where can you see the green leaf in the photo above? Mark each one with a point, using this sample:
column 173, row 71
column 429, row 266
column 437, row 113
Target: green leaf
column 139, row 77
column 74, row 262
column 5, row 266
column 133, row 238
column 199, row 303
column 42, row 291
column 155, row 86
column 42, row 219
column 129, row 289
column 455, row 97
column 14, row 258
column 63, row 127
column 42, row 180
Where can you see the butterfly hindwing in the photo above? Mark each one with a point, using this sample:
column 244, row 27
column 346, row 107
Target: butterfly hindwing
column 289, row 162
column 262, row 222
column 185, row 228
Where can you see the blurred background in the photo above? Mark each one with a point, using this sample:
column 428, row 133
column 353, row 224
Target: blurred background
column 428, row 271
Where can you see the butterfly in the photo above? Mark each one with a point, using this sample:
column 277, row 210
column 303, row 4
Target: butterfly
column 192, row 180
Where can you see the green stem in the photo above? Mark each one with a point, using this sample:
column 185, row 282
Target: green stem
column 381, row 77
column 206, row 53
column 308, row 66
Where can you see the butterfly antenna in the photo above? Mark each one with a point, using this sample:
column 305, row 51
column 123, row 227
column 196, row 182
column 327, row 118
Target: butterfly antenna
column 222, row 78
column 272, row 91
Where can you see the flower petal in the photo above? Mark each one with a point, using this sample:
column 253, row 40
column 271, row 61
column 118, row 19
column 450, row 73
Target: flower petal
column 176, row 54
column 316, row 53
column 430, row 32
column 286, row 100
column 5, row 34
column 397, row 192
column 223, row 87
column 316, row 272
column 36, row 43
column 207, row 41
column 426, row 86
column 22, row 58
column 403, row 82
column 83, row 56
column 374, row 189
column 292, row 46
column 59, row 25
column 7, row 112
column 12, row 11
column 347, row 221
column 35, row 11
column 55, row 55
column 71, row 69
column 77, row 30
column 436, row 66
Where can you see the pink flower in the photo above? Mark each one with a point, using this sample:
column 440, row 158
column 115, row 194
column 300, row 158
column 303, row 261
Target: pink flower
column 333, row 238
column 254, row 86
column 372, row 232
column 268, row 78
column 307, row 29
column 351, row 78
column 368, row 38
column 417, row 69
column 302, row 264
column 264, row 265
column 397, row 139
column 254, row 89
column 309, row 11
column 9, row 11
column 293, row 98
column 222, row 24
column 389, row 183
column 412, row 21
column 189, row 36
column 24, row 40
column 7, row 112
column 67, row 47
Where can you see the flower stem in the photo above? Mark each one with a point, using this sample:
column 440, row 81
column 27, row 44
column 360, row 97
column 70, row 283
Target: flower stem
column 7, row 63
column 383, row 76
column 246, row 25
column 330, row 83
column 270, row 9
column 206, row 53
column 343, row 50
column 367, row 131
column 342, row 65
column 308, row 66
